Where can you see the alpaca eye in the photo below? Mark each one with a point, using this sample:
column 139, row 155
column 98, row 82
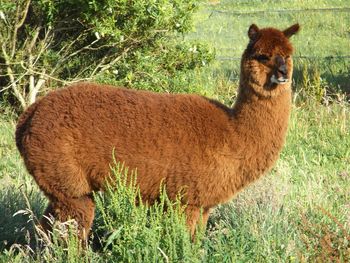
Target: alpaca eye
column 262, row 58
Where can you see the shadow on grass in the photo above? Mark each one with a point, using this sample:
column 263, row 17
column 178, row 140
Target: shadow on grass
column 16, row 220
column 331, row 73
column 20, row 210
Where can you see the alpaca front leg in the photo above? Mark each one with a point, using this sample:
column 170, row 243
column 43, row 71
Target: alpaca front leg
column 205, row 217
column 192, row 216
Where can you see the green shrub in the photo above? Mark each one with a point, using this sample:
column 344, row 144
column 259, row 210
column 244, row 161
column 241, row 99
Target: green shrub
column 136, row 232
column 310, row 83
column 48, row 43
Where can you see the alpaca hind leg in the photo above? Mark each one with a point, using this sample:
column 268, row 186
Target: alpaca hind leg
column 47, row 220
column 81, row 209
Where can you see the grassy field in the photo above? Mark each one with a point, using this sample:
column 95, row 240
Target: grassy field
column 320, row 47
column 299, row 212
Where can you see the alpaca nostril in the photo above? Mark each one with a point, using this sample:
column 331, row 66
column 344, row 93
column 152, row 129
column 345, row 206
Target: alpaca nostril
column 282, row 71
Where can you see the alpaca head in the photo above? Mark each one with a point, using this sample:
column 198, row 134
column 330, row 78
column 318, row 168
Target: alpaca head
column 266, row 63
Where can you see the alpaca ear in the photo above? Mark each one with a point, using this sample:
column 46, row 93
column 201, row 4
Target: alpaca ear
column 291, row 30
column 253, row 31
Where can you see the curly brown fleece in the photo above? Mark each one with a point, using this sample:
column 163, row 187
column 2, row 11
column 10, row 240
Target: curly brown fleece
column 185, row 141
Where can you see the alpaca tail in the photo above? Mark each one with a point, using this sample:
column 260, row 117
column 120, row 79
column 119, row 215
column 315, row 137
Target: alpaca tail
column 23, row 127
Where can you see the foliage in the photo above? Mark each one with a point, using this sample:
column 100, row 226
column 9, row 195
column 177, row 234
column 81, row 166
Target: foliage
column 134, row 231
column 45, row 43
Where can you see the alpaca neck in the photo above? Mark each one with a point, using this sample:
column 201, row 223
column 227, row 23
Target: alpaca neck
column 261, row 117
column 259, row 127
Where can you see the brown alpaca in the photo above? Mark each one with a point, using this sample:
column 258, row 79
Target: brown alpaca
column 188, row 142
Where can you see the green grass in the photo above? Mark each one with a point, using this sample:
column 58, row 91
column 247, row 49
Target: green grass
column 324, row 35
column 285, row 216
column 327, row 30
column 299, row 212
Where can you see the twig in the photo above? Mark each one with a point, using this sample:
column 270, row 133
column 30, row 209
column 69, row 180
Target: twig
column 15, row 89
column 110, row 64
column 18, row 25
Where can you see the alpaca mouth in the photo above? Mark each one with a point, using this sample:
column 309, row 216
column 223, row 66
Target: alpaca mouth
column 280, row 80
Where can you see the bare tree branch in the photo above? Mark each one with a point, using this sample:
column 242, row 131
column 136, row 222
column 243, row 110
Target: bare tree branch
column 32, row 92
column 80, row 50
column 15, row 88
column 109, row 64
column 45, row 43
column 11, row 75
column 35, row 89
column 66, row 49
column 34, row 39
column 18, row 25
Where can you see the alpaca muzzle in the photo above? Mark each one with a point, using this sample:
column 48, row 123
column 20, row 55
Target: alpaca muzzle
column 279, row 80
column 281, row 74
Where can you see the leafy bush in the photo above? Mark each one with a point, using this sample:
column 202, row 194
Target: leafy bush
column 46, row 43
column 136, row 232
column 322, row 81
